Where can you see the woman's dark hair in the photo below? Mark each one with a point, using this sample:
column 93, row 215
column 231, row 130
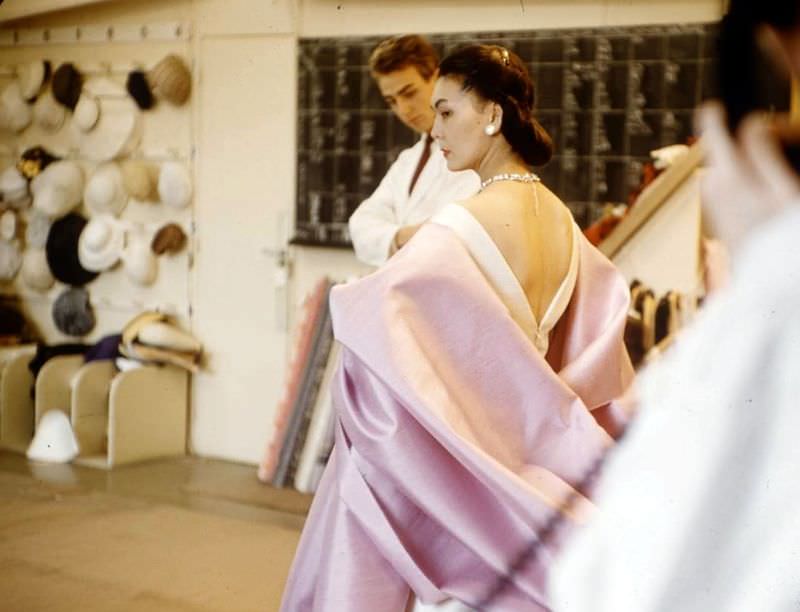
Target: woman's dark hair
column 746, row 81
column 499, row 75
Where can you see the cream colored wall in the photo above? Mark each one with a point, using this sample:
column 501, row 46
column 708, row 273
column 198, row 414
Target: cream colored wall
column 244, row 61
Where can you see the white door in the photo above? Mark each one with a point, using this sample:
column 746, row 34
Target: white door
column 245, row 177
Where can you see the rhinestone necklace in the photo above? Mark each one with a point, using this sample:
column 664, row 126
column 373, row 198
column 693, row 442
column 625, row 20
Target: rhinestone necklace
column 521, row 178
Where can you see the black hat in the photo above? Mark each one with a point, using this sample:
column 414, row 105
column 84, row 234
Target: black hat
column 67, row 84
column 139, row 89
column 72, row 312
column 62, row 250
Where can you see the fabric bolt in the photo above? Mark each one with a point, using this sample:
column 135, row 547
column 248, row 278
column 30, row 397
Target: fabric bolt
column 711, row 525
column 375, row 222
column 433, row 361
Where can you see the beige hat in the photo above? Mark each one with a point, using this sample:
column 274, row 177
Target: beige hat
column 32, row 77
column 139, row 179
column 174, row 185
column 37, row 229
column 13, row 186
column 47, row 113
column 10, row 259
column 86, row 113
column 8, row 225
column 35, row 272
column 58, row 188
column 170, row 238
column 104, row 192
column 101, row 243
column 14, row 110
column 118, row 129
column 139, row 261
column 171, row 80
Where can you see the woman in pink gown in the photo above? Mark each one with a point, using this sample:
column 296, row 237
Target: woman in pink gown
column 478, row 382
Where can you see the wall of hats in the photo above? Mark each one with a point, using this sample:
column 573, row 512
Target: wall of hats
column 96, row 179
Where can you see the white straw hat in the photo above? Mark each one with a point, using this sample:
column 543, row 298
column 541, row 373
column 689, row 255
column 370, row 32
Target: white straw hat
column 86, row 113
column 174, row 185
column 13, row 186
column 31, row 77
column 37, row 229
column 54, row 440
column 101, row 243
column 118, row 128
column 14, row 110
column 10, row 259
column 35, row 272
column 48, row 113
column 105, row 192
column 139, row 261
column 58, row 188
column 8, row 225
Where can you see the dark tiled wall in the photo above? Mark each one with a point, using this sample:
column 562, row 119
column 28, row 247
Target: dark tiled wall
column 608, row 96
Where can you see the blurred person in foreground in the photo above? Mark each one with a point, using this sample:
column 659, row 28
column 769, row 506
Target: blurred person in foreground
column 699, row 504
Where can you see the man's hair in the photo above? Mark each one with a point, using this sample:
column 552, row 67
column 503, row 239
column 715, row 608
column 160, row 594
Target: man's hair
column 401, row 52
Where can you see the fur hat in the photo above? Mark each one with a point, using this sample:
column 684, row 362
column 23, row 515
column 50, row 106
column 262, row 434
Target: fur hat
column 87, row 112
column 139, row 261
column 171, row 80
column 174, row 185
column 32, row 78
column 105, row 192
column 35, row 272
column 47, row 113
column 169, row 239
column 14, row 110
column 10, row 259
column 67, row 85
column 139, row 89
column 72, row 312
column 13, row 187
column 62, row 251
column 140, row 179
column 58, row 188
column 101, row 242
column 37, row 229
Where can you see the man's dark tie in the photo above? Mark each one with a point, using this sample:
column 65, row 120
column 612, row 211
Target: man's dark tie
column 426, row 153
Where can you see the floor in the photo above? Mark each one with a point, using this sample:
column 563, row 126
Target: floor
column 185, row 535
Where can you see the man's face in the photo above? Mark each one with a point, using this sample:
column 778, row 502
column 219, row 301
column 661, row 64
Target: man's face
column 409, row 97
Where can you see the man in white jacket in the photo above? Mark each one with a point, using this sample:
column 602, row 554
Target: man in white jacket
column 418, row 183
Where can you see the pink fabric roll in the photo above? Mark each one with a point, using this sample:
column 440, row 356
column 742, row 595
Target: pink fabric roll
column 456, row 440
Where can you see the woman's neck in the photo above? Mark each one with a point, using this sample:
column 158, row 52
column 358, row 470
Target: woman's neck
column 501, row 160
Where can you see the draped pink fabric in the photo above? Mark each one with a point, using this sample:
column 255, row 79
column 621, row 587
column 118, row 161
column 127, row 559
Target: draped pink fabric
column 456, row 440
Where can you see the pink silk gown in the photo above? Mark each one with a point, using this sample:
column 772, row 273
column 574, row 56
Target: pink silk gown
column 457, row 440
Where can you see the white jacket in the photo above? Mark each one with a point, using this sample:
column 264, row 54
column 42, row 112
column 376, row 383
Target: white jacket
column 390, row 207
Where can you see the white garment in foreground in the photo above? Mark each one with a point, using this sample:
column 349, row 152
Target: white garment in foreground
column 699, row 504
column 390, row 207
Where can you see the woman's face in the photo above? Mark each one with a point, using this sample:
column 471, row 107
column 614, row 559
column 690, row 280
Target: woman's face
column 459, row 124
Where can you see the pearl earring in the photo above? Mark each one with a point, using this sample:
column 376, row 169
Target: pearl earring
column 490, row 130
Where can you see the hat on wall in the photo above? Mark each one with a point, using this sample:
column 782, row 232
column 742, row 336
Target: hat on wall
column 37, row 229
column 54, row 440
column 174, row 184
column 62, row 251
column 32, row 78
column 87, row 112
column 8, row 225
column 105, row 192
column 67, row 85
column 47, row 113
column 169, row 239
column 34, row 160
column 140, row 179
column 58, row 188
column 14, row 187
column 118, row 128
column 171, row 80
column 101, row 242
column 139, row 261
column 35, row 272
column 139, row 89
column 14, row 110
column 10, row 259
column 72, row 312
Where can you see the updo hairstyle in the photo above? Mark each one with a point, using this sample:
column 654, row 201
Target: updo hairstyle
column 499, row 75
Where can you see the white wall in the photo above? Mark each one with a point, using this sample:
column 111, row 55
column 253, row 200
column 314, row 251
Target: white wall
column 242, row 123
